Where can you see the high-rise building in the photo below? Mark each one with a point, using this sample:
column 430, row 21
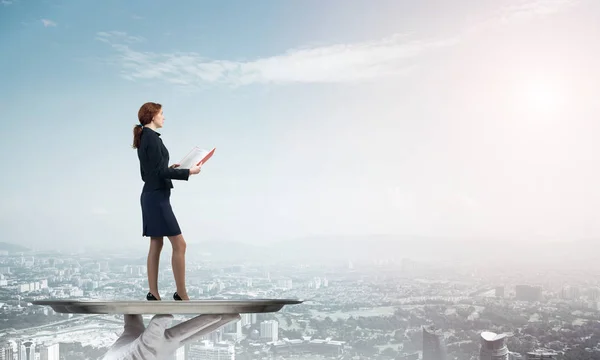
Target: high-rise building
column 8, row 350
column 493, row 346
column 269, row 330
column 528, row 293
column 26, row 350
column 434, row 347
column 207, row 350
column 50, row 352
column 233, row 330
column 570, row 292
column 248, row 319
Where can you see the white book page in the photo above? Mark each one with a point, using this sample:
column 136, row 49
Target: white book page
column 192, row 158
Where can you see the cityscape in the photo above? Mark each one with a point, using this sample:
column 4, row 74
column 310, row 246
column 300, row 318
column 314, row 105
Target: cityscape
column 419, row 178
column 387, row 308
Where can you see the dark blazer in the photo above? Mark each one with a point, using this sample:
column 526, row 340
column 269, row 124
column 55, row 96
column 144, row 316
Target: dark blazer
column 154, row 163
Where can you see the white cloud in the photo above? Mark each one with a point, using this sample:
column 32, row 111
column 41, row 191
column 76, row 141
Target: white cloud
column 112, row 37
column 522, row 10
column 537, row 7
column 338, row 63
column 325, row 64
column 48, row 23
column 519, row 11
column 6, row 2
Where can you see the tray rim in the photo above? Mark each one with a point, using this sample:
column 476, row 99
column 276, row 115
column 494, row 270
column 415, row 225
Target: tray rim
column 248, row 302
column 167, row 307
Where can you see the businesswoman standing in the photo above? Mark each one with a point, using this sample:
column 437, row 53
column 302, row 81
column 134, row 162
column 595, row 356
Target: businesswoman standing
column 157, row 215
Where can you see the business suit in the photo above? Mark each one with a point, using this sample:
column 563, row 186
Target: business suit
column 157, row 214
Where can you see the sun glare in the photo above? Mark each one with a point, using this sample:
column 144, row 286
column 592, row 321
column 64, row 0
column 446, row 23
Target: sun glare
column 541, row 97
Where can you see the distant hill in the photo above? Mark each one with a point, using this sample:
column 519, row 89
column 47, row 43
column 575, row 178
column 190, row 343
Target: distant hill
column 366, row 247
column 324, row 248
column 12, row 248
column 342, row 248
column 371, row 247
column 227, row 249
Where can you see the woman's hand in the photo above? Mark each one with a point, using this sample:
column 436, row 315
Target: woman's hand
column 194, row 170
column 173, row 166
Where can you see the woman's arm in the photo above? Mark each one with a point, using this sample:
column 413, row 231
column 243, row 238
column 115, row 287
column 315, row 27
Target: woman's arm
column 154, row 160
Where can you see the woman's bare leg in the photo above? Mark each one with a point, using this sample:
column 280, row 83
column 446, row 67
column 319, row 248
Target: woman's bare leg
column 178, row 263
column 156, row 245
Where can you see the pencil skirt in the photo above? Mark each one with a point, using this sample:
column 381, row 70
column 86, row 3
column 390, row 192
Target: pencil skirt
column 158, row 218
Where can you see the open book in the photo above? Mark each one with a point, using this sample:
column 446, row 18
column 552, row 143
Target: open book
column 197, row 156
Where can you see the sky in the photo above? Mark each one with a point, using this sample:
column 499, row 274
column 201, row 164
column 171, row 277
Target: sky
column 470, row 118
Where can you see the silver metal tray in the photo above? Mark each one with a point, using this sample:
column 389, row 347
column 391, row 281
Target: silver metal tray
column 167, row 307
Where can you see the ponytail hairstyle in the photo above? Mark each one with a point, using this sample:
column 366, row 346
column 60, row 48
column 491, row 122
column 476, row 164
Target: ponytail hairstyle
column 145, row 115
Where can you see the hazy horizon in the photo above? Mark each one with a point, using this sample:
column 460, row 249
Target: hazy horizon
column 466, row 119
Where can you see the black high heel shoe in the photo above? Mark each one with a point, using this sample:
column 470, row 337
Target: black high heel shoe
column 176, row 296
column 150, row 297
